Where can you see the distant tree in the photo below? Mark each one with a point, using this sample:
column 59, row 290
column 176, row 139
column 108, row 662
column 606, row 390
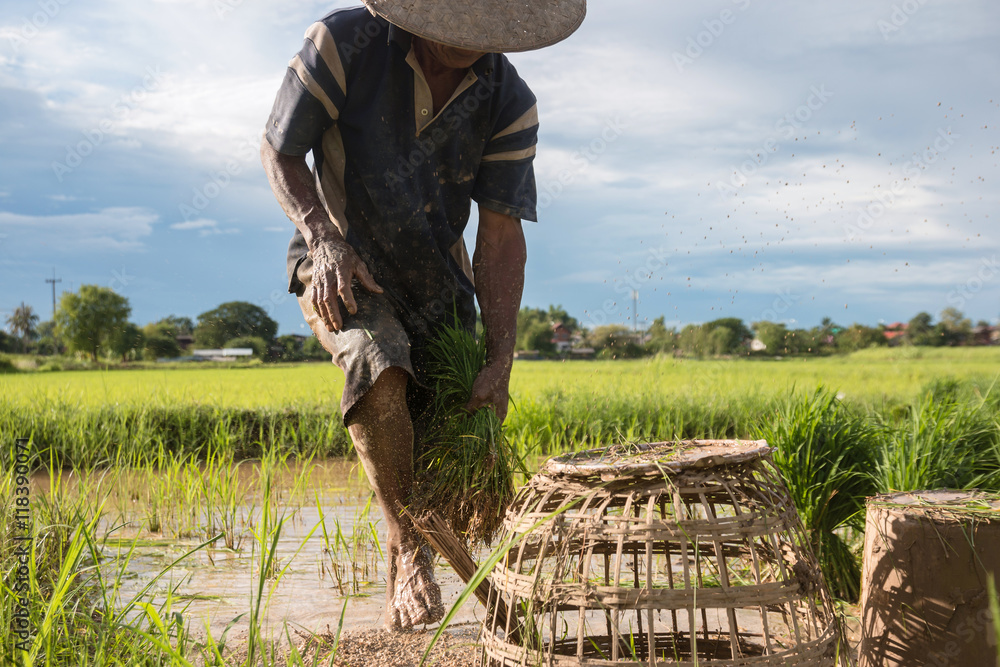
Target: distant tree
column 181, row 326
column 313, row 349
column 7, row 342
column 87, row 319
column 235, row 319
column 533, row 324
column 660, row 338
column 858, row 337
column 774, row 336
column 159, row 345
column 255, row 343
column 723, row 340
column 47, row 342
column 920, row 331
column 954, row 328
column 291, row 348
column 615, row 341
column 537, row 335
column 126, row 340
column 736, row 340
column 22, row 323
column 809, row 341
column 693, row 340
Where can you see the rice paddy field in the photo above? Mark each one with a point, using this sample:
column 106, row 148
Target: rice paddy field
column 214, row 515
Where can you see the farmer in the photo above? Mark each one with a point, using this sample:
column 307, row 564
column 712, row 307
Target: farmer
column 410, row 112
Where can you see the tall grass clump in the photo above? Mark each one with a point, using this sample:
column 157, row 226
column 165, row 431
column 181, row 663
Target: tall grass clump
column 466, row 464
column 80, row 437
column 76, row 607
column 948, row 438
column 826, row 452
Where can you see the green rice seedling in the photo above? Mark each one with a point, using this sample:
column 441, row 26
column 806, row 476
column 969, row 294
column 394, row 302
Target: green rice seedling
column 466, row 463
column 944, row 443
column 825, row 453
column 225, row 498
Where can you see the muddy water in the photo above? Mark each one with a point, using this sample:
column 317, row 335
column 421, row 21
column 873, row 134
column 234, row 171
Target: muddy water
column 214, row 586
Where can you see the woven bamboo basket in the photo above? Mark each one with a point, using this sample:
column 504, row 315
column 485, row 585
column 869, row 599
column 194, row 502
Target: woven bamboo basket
column 686, row 553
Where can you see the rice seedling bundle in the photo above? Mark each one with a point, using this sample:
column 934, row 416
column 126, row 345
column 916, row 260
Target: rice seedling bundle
column 465, row 466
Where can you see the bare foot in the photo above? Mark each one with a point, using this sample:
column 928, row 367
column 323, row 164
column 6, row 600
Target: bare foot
column 415, row 597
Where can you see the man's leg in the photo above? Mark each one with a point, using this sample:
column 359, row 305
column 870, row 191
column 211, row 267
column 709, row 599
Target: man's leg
column 377, row 416
column 382, row 432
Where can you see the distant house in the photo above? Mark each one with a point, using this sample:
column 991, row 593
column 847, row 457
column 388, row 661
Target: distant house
column 894, row 331
column 561, row 337
column 184, row 341
column 757, row 345
column 985, row 335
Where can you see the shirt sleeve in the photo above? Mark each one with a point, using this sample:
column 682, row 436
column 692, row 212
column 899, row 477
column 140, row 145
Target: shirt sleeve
column 311, row 95
column 506, row 179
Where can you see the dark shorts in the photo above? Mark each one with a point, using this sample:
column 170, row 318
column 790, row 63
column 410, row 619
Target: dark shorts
column 370, row 341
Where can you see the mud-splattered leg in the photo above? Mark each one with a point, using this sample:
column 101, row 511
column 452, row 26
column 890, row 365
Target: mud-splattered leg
column 382, row 432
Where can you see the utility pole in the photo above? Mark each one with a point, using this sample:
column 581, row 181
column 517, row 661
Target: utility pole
column 53, row 280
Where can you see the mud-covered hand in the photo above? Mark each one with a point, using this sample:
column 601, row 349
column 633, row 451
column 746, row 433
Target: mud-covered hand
column 491, row 389
column 335, row 265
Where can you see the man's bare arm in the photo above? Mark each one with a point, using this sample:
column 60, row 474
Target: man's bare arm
column 499, row 269
column 335, row 263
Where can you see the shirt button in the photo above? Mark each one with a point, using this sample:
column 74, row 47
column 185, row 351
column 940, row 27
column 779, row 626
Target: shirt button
column 423, row 112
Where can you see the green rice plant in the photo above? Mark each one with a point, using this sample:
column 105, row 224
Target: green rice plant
column 942, row 441
column 825, row 453
column 466, row 464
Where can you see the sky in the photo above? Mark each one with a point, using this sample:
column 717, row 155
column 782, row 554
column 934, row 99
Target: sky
column 766, row 160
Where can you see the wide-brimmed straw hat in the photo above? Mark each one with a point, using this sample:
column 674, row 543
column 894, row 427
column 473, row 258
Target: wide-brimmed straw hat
column 493, row 26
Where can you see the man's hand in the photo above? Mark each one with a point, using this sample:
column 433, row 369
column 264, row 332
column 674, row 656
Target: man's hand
column 335, row 265
column 490, row 390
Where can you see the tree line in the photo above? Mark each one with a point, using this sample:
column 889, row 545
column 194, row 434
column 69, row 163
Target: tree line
column 733, row 337
column 94, row 321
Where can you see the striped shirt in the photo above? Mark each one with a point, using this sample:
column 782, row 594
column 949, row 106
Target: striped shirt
column 397, row 178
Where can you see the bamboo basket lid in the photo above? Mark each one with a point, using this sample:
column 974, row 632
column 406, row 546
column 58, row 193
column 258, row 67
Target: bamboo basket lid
column 656, row 458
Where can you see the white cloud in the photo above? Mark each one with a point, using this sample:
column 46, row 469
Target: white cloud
column 204, row 227
column 110, row 229
column 200, row 223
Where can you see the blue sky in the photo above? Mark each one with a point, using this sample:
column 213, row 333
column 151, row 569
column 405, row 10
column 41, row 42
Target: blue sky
column 737, row 158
